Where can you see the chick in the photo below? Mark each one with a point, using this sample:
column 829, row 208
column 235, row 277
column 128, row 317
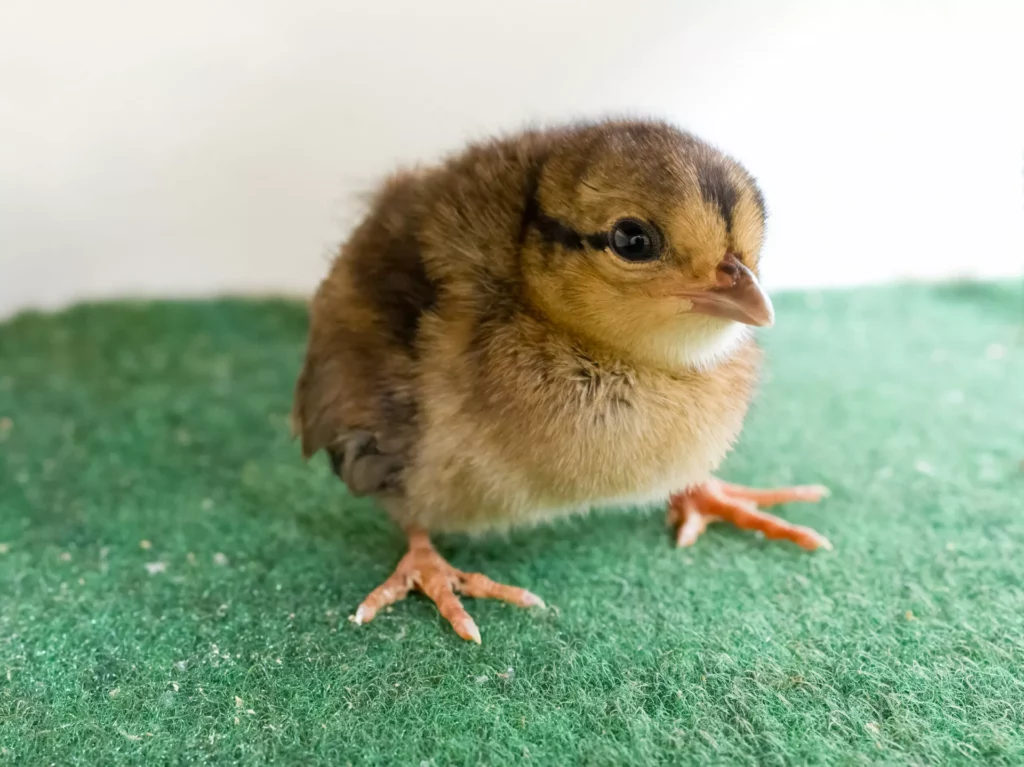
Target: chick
column 542, row 324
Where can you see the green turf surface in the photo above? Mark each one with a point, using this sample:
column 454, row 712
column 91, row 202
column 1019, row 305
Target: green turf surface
column 224, row 639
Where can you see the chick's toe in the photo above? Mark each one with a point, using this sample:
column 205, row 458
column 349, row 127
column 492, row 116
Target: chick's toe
column 690, row 512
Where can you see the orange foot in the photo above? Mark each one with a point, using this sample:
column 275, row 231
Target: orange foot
column 691, row 512
column 422, row 568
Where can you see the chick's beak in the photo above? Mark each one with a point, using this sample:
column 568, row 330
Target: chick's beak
column 737, row 296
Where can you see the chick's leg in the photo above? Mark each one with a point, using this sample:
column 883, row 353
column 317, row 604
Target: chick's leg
column 691, row 511
column 423, row 569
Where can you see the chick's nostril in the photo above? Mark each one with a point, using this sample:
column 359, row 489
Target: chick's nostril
column 728, row 271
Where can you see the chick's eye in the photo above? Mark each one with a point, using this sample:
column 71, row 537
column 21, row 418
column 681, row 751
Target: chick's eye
column 634, row 240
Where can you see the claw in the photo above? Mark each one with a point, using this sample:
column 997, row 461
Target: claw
column 532, row 600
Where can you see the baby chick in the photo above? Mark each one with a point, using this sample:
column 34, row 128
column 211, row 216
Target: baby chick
column 543, row 324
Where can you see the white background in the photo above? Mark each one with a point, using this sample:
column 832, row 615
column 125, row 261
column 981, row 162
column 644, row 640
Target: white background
column 197, row 147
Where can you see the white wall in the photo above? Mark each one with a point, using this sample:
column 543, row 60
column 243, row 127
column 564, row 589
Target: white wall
column 200, row 146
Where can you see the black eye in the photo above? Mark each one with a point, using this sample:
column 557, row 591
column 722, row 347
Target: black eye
column 634, row 240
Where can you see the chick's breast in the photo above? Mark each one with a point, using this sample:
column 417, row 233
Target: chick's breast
column 527, row 428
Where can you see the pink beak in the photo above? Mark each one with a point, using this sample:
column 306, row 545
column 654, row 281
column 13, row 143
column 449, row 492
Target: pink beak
column 738, row 296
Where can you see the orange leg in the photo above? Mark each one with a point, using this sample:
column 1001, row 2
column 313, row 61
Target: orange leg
column 423, row 569
column 690, row 512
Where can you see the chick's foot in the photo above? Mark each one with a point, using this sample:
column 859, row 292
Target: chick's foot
column 423, row 569
column 690, row 512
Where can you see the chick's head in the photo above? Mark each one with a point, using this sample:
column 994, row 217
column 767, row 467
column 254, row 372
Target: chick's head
column 644, row 239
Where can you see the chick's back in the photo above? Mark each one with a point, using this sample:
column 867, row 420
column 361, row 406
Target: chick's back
column 432, row 241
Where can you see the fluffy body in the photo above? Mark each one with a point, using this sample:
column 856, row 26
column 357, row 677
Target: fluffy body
column 516, row 369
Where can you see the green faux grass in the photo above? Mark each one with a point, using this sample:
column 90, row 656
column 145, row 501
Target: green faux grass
column 175, row 582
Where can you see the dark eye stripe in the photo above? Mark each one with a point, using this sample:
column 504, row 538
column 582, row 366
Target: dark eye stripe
column 553, row 230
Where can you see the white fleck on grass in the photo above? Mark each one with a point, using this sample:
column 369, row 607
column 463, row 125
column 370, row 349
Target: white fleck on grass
column 953, row 397
column 989, row 473
column 221, row 559
column 995, row 351
column 65, row 556
column 155, row 568
column 483, row 679
column 145, row 545
column 207, row 504
column 217, row 656
column 923, row 467
column 4, row 548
